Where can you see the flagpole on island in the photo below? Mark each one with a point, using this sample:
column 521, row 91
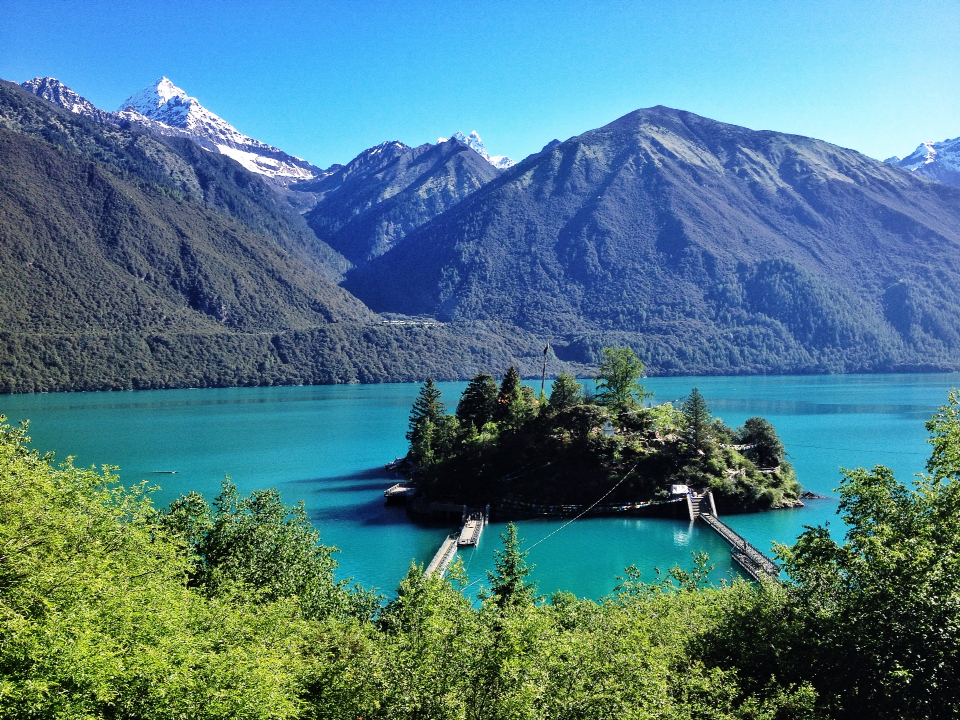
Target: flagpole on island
column 543, row 377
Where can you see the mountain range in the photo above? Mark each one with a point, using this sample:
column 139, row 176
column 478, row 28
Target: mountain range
column 159, row 247
column 705, row 244
column 131, row 260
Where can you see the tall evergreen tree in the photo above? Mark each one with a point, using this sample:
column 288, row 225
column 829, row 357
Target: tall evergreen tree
column 697, row 418
column 478, row 404
column 566, row 392
column 515, row 403
column 426, row 417
column 509, row 581
column 769, row 450
column 618, row 380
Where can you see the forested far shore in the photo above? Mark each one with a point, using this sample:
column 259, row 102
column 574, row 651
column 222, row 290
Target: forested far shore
column 337, row 353
column 113, row 607
column 522, row 453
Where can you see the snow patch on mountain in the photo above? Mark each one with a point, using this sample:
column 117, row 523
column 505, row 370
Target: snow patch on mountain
column 473, row 141
column 938, row 161
column 164, row 105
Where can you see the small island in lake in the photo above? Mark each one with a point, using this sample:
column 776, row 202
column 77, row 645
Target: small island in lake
column 610, row 451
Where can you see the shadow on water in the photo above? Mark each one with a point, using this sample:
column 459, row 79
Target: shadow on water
column 366, row 481
column 376, row 512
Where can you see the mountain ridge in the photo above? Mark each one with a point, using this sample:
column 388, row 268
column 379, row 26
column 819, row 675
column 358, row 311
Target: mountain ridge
column 164, row 109
column 473, row 141
column 664, row 225
column 707, row 247
column 366, row 207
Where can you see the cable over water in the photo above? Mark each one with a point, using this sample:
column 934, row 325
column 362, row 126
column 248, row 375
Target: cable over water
column 591, row 507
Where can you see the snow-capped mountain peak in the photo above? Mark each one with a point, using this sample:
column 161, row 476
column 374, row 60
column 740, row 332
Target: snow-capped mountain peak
column 163, row 104
column 155, row 96
column 474, row 142
column 938, row 161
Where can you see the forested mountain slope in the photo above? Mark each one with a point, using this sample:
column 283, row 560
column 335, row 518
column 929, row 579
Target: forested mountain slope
column 132, row 261
column 366, row 207
column 85, row 249
column 178, row 165
column 708, row 247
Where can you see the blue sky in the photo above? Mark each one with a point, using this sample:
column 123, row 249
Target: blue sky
column 325, row 80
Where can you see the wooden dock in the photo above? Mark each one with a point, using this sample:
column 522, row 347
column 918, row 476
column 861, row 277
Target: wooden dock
column 469, row 536
column 443, row 557
column 472, row 529
column 400, row 491
column 754, row 563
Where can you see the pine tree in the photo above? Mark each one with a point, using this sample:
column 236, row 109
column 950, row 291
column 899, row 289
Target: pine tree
column 425, row 417
column 566, row 392
column 697, row 418
column 478, row 404
column 508, row 583
column 515, row 403
column 769, row 451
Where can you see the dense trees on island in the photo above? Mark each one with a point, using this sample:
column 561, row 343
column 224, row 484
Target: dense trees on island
column 113, row 608
column 504, row 444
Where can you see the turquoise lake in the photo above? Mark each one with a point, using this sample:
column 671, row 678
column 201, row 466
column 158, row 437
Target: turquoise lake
column 326, row 446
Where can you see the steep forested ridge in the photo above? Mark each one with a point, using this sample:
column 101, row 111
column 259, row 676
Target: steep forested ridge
column 707, row 246
column 132, row 261
column 366, row 207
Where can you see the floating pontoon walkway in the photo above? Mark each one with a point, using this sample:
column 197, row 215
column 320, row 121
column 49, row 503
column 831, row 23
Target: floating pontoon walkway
column 401, row 490
column 472, row 528
column 754, row 563
column 443, row 557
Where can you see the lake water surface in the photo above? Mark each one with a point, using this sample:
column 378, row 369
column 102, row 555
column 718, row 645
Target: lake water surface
column 326, row 446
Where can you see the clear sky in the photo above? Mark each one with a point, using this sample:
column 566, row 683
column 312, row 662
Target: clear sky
column 326, row 79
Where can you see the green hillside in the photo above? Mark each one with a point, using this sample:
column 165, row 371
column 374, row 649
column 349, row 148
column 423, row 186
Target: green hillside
column 130, row 262
column 707, row 247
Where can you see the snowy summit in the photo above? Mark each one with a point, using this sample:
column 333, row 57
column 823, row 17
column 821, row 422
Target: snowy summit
column 473, row 141
column 938, row 161
column 164, row 105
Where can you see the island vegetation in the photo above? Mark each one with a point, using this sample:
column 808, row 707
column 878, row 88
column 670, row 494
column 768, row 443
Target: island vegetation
column 550, row 455
column 113, row 608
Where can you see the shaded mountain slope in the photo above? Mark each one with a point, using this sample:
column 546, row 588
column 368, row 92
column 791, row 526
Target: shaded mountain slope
column 709, row 247
column 83, row 249
column 177, row 165
column 367, row 206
